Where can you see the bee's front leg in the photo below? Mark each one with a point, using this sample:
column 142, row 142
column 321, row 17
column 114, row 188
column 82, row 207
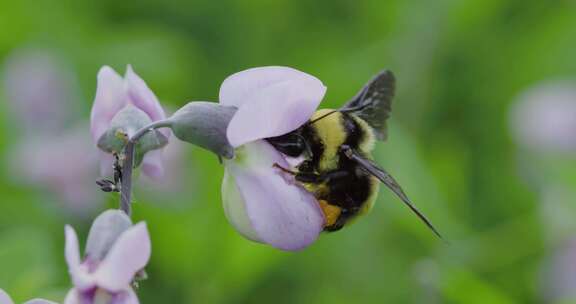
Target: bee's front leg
column 285, row 170
column 325, row 177
column 304, row 177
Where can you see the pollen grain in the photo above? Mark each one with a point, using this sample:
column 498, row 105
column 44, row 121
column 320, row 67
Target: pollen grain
column 331, row 212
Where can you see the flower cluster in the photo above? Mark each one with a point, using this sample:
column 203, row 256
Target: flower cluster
column 260, row 201
column 121, row 107
column 115, row 253
column 543, row 118
column 40, row 96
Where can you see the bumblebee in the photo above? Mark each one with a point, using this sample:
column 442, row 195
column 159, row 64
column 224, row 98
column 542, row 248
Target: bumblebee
column 335, row 148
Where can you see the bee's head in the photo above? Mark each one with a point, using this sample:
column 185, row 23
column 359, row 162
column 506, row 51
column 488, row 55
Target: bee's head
column 295, row 144
column 292, row 144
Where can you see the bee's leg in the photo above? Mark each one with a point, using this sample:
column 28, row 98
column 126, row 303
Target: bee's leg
column 285, row 170
column 343, row 216
column 338, row 224
column 305, row 177
column 331, row 213
column 310, row 177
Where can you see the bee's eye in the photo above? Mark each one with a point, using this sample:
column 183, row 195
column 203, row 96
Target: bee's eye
column 291, row 144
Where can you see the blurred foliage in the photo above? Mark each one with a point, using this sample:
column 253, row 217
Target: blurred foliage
column 459, row 65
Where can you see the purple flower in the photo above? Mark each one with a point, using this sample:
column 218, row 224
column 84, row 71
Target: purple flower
column 114, row 95
column 114, row 255
column 262, row 203
column 544, row 118
column 66, row 167
column 39, row 90
column 5, row 299
column 559, row 274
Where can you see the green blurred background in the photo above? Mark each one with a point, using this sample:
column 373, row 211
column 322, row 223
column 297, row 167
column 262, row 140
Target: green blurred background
column 460, row 66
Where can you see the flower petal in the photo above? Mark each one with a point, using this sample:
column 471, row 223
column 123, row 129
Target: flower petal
column 71, row 251
column 152, row 164
column 104, row 232
column 106, row 163
column 543, row 118
column 5, row 298
column 235, row 208
column 128, row 297
column 72, row 297
column 110, row 98
column 40, row 301
column 143, row 98
column 39, row 88
column 283, row 214
column 127, row 256
column 80, row 277
column 239, row 88
column 276, row 110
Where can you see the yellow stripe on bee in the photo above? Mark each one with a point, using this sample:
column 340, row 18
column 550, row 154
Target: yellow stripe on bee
column 331, row 133
column 369, row 203
column 368, row 140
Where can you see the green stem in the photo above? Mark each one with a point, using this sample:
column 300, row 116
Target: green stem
column 128, row 164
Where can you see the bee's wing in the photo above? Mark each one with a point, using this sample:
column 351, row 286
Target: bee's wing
column 388, row 180
column 374, row 102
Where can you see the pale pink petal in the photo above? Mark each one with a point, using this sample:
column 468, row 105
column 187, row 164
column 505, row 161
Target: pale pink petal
column 80, row 277
column 276, row 110
column 129, row 297
column 110, row 98
column 559, row 273
column 544, row 117
column 143, row 98
column 235, row 208
column 72, row 250
column 240, row 87
column 152, row 164
column 40, row 301
column 39, row 88
column 127, row 256
column 282, row 213
column 72, row 297
column 106, row 163
column 5, row 298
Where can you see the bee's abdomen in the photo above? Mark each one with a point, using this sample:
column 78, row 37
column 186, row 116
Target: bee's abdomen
column 350, row 194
